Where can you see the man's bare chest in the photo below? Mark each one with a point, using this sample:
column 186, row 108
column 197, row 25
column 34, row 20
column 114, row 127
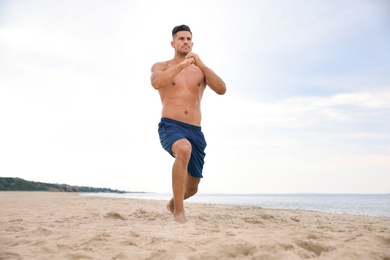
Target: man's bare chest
column 189, row 77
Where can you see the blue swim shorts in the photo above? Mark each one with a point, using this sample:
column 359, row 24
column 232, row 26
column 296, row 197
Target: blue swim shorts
column 171, row 130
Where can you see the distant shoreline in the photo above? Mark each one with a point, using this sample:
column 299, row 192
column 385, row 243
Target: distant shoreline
column 358, row 204
column 18, row 184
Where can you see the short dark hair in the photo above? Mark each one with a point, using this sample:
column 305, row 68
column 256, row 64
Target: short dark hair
column 180, row 28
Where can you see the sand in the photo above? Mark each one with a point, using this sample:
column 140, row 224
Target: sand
column 54, row 225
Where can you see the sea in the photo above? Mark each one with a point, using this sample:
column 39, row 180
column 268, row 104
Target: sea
column 356, row 204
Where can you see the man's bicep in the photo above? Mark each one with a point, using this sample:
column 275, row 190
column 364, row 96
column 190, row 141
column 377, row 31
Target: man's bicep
column 158, row 67
column 156, row 70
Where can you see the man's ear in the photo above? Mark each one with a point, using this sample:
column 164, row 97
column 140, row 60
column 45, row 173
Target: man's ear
column 173, row 44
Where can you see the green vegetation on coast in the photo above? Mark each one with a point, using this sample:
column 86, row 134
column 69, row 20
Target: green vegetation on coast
column 17, row 184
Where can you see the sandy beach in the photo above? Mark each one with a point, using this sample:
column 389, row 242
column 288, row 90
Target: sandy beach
column 54, row 225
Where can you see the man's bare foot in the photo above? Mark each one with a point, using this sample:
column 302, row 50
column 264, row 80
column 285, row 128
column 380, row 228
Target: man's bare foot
column 171, row 206
column 180, row 217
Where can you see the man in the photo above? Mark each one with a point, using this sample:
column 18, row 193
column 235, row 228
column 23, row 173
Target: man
column 181, row 82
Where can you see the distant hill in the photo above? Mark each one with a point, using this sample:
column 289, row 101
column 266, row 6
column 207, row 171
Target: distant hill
column 17, row 184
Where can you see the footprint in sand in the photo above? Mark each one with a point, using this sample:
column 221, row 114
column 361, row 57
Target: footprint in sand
column 315, row 248
column 114, row 215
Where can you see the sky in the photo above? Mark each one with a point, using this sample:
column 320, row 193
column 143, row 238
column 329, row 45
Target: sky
column 306, row 108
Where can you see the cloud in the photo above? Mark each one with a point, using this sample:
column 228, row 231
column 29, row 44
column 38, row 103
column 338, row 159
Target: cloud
column 292, row 49
column 305, row 111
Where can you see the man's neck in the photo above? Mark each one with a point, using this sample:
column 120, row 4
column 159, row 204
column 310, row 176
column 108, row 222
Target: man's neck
column 178, row 57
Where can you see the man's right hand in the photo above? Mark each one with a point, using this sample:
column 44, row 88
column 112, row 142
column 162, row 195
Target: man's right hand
column 189, row 61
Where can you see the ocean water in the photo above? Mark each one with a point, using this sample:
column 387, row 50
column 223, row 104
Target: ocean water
column 357, row 204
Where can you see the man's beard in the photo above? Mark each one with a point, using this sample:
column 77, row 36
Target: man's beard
column 184, row 53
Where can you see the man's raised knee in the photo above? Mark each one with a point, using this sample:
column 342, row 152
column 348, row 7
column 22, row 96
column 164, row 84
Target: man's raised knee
column 182, row 148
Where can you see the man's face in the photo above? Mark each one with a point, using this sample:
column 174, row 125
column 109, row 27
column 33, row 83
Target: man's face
column 182, row 42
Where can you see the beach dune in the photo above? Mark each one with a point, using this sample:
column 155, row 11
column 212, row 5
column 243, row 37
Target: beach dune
column 55, row 225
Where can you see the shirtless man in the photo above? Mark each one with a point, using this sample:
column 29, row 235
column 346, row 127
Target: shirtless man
column 181, row 82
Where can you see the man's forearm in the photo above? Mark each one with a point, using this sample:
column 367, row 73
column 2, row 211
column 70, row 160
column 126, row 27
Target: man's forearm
column 213, row 80
column 166, row 77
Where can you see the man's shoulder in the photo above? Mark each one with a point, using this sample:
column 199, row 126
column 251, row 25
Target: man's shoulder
column 161, row 65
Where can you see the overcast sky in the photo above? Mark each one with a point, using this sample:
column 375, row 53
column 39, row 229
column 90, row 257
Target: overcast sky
column 306, row 110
